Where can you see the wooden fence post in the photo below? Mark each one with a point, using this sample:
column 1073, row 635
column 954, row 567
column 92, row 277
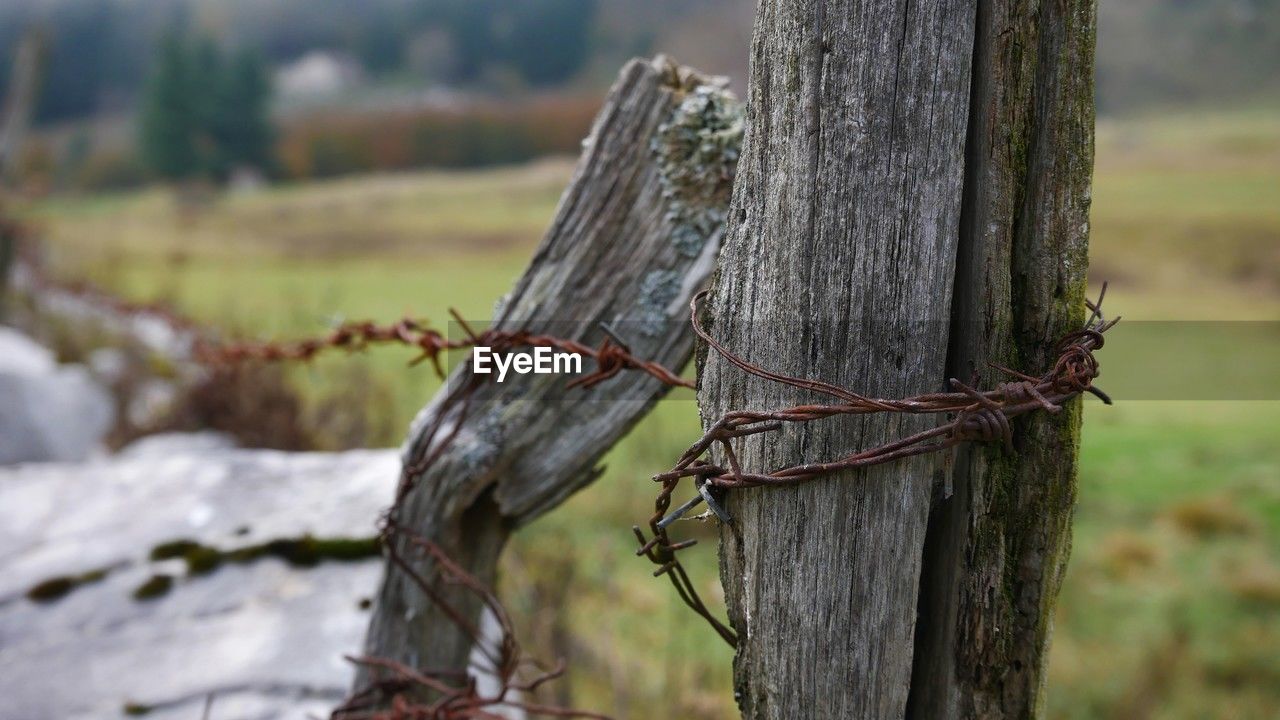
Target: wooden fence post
column 998, row 547
column 20, row 102
column 15, row 118
column 635, row 235
column 876, row 184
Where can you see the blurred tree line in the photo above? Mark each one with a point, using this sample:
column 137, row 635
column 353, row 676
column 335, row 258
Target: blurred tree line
column 119, row 64
column 538, row 43
column 482, row 133
column 204, row 115
column 1150, row 51
column 1180, row 52
column 102, row 51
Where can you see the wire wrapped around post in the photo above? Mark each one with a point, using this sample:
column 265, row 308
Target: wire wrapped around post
column 976, row 416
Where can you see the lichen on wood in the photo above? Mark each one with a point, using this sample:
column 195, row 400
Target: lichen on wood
column 697, row 152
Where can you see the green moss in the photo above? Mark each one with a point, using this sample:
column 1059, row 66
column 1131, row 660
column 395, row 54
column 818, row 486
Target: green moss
column 301, row 552
column 202, row 560
column 348, row 549
column 305, row 551
column 155, row 587
column 59, row 587
column 93, row 576
column 52, row 589
column 174, row 549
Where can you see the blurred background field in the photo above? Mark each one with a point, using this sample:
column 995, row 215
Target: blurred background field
column 1171, row 607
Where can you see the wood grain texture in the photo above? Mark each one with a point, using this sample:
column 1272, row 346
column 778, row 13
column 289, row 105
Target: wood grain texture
column 838, row 265
column 998, row 548
column 611, row 254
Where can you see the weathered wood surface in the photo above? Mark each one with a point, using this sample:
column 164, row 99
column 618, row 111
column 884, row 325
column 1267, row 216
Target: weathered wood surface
column 19, row 105
column 634, row 237
column 876, row 183
column 998, row 548
column 838, row 264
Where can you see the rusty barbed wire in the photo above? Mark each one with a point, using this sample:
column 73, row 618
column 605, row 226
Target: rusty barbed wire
column 611, row 356
column 977, row 417
column 459, row 701
column 41, row 281
column 396, row 690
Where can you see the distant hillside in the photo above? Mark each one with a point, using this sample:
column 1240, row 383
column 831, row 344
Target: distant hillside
column 1150, row 51
column 1174, row 52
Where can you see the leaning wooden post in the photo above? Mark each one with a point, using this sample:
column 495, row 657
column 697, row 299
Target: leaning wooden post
column 635, row 235
column 868, row 170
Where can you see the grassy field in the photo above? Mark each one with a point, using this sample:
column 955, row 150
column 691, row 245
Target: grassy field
column 1171, row 607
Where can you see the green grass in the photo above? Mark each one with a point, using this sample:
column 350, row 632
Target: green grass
column 293, row 261
column 1171, row 598
column 1186, row 216
column 1171, row 605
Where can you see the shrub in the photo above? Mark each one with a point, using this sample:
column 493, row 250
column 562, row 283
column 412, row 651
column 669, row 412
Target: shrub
column 475, row 135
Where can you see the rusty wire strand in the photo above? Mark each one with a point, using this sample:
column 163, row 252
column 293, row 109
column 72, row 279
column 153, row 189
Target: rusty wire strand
column 396, row 689
column 610, row 356
column 976, row 417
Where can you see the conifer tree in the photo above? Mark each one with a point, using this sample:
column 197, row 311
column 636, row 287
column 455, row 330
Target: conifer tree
column 203, row 116
column 244, row 131
column 168, row 142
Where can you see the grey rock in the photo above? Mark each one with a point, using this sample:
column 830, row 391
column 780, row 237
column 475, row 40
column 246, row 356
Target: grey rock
column 21, row 355
column 151, row 401
column 59, row 415
column 177, row 443
column 265, row 638
column 108, row 364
